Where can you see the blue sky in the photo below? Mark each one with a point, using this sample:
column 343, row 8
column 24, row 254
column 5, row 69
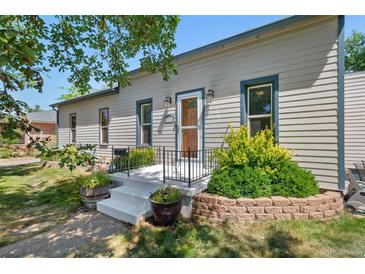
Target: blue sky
column 192, row 32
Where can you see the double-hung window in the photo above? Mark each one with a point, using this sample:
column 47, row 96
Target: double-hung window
column 72, row 121
column 104, row 125
column 259, row 103
column 145, row 123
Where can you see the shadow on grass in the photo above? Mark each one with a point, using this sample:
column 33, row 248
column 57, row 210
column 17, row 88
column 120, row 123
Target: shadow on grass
column 187, row 239
column 31, row 195
column 23, row 170
column 280, row 244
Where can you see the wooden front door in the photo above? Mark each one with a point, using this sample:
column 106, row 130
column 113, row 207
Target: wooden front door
column 189, row 128
column 189, row 125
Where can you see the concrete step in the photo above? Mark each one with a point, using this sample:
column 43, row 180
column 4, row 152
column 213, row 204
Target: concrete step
column 144, row 183
column 124, row 211
column 134, row 195
column 130, row 201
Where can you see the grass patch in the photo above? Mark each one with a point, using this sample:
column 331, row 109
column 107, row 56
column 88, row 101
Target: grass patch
column 340, row 237
column 34, row 199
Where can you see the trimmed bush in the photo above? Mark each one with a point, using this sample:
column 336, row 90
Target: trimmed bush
column 258, row 167
column 235, row 182
column 292, row 180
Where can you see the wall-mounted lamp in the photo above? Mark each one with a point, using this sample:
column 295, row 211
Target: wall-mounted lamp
column 167, row 102
column 210, row 95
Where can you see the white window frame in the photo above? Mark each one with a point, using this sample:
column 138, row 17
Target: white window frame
column 249, row 117
column 101, row 127
column 145, row 124
column 71, row 128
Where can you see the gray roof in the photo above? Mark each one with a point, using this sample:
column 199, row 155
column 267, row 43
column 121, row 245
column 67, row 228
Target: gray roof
column 93, row 94
column 49, row 116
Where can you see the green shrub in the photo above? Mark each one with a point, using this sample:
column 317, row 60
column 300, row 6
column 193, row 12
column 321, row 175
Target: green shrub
column 258, row 167
column 292, row 180
column 96, row 179
column 166, row 195
column 235, row 182
column 138, row 157
column 5, row 153
column 258, row 151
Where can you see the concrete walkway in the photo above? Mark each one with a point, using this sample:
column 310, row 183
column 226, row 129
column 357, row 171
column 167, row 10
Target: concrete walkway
column 78, row 230
column 8, row 163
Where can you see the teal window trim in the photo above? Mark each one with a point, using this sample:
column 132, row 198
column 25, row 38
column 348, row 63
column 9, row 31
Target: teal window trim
column 274, row 80
column 138, row 120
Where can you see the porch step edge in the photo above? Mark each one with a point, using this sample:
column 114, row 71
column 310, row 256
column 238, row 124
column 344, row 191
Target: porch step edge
column 123, row 211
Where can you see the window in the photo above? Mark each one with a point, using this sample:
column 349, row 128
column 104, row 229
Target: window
column 73, row 128
column 104, row 125
column 144, row 122
column 259, row 107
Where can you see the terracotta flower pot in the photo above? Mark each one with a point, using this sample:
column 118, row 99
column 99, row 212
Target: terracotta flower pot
column 166, row 213
column 90, row 196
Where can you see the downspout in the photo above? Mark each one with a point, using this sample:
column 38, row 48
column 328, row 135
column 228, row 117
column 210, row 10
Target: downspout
column 57, row 124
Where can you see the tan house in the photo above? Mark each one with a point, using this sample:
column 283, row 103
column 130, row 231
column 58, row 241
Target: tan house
column 289, row 74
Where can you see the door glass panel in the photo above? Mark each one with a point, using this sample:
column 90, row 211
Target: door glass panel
column 189, row 110
column 257, row 124
column 260, row 100
column 190, row 140
column 146, row 113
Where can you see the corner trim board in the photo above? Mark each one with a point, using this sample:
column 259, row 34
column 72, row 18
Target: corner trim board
column 341, row 102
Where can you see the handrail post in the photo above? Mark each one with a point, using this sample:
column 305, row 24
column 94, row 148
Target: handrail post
column 189, row 177
column 163, row 165
column 129, row 161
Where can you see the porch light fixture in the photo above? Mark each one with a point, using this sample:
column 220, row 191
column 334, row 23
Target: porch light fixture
column 167, row 102
column 210, row 95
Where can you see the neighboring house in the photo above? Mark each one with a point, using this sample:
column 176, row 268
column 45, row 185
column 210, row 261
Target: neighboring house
column 46, row 122
column 354, row 118
column 288, row 73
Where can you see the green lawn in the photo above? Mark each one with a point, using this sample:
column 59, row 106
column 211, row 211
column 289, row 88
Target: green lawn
column 34, row 199
column 341, row 237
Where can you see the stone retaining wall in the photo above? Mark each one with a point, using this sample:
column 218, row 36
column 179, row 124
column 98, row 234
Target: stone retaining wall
column 218, row 208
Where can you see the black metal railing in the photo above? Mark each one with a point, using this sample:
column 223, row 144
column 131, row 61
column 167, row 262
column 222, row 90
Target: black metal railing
column 128, row 158
column 188, row 165
column 177, row 165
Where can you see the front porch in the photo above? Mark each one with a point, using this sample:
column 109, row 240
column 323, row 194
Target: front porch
column 155, row 175
column 129, row 201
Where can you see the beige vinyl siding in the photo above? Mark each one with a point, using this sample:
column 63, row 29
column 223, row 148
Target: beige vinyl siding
column 354, row 118
column 304, row 57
